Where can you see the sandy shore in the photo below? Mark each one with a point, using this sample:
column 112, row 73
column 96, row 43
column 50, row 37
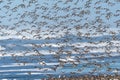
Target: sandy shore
column 101, row 77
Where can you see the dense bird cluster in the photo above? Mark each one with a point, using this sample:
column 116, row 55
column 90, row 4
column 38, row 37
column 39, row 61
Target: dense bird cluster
column 59, row 37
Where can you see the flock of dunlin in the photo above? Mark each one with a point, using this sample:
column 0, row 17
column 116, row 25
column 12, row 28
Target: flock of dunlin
column 67, row 24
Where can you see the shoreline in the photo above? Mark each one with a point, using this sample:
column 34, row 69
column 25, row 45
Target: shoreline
column 88, row 77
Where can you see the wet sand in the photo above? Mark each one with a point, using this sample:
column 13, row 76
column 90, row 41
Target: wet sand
column 100, row 77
